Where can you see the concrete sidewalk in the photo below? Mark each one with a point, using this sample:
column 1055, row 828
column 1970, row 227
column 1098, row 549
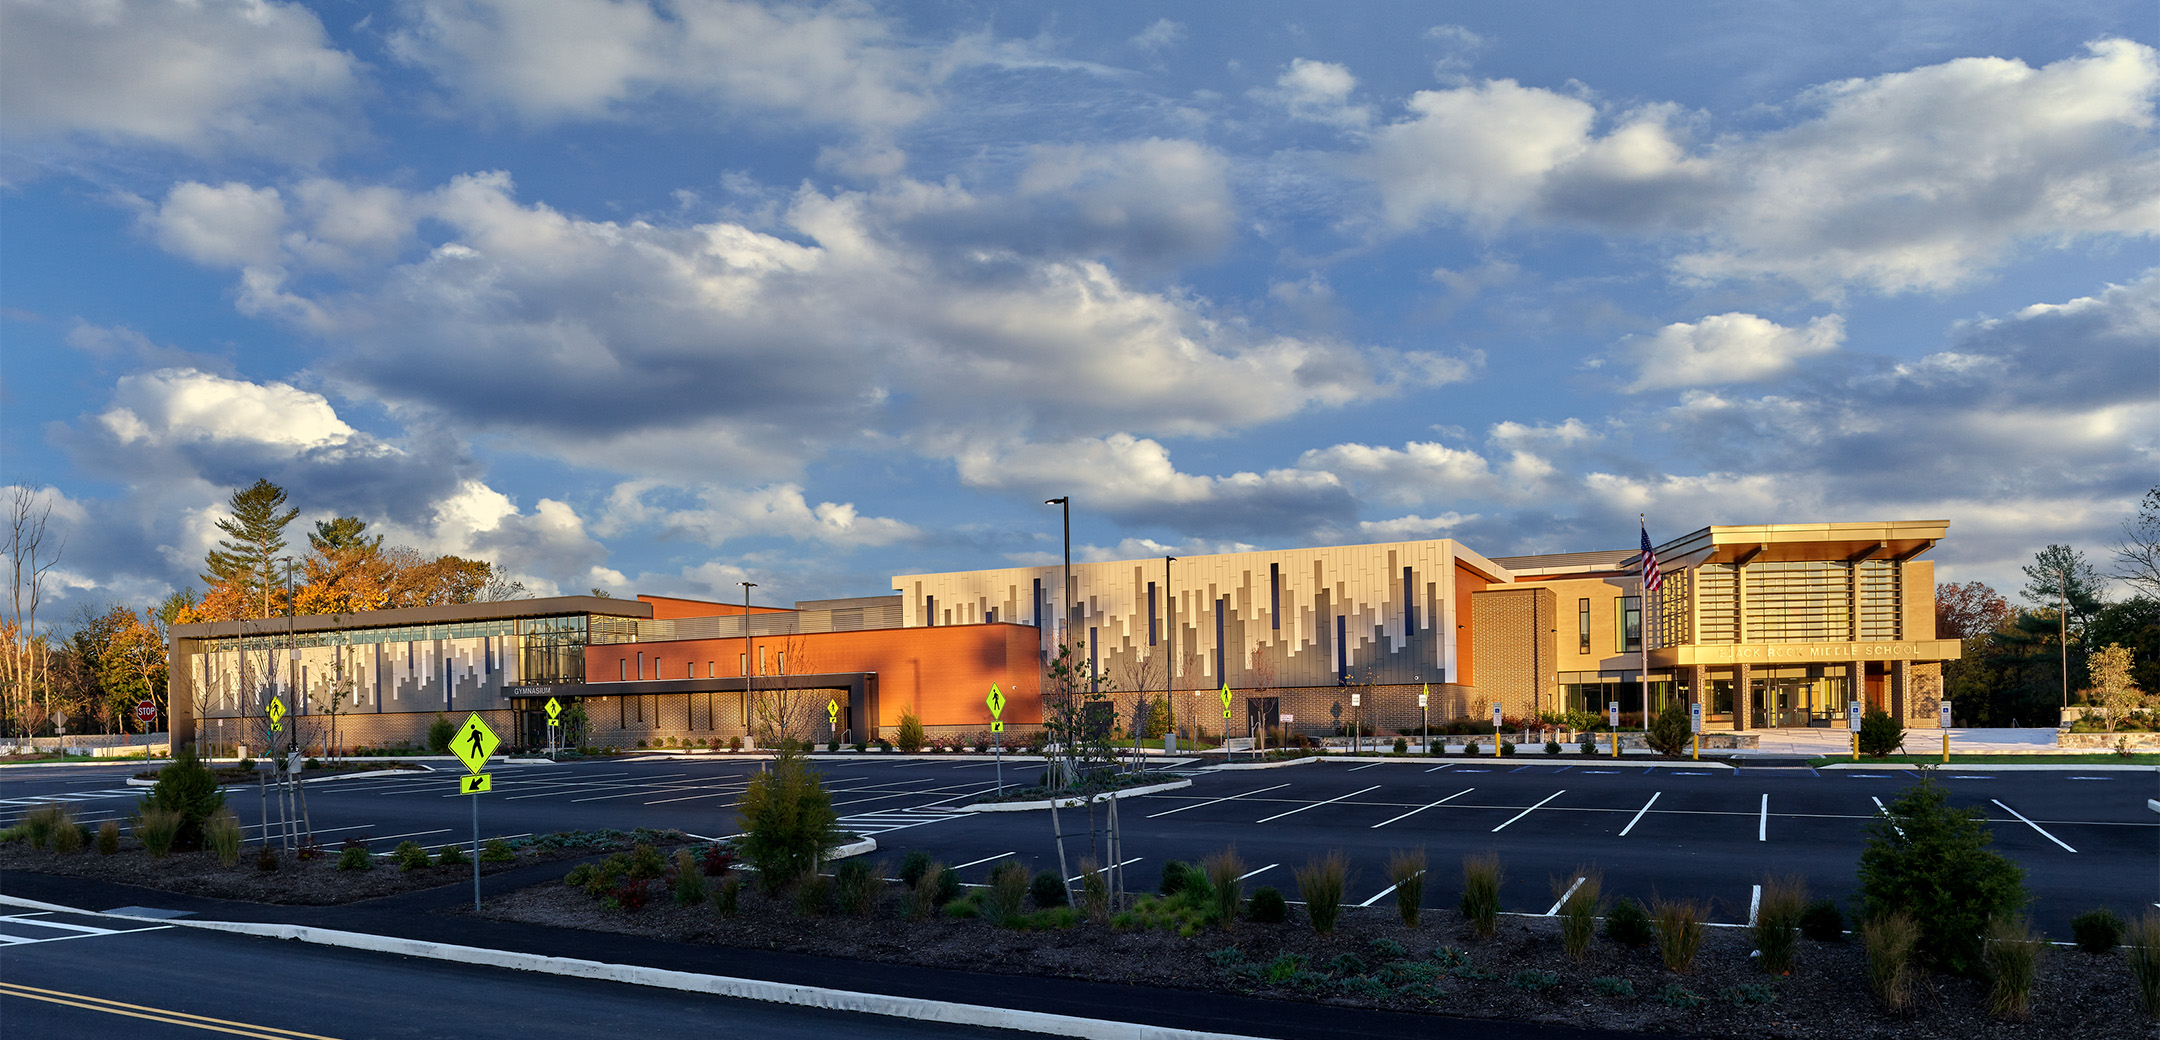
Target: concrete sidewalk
column 1812, row 743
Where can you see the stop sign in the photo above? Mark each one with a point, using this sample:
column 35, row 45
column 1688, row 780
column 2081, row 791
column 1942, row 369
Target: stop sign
column 146, row 712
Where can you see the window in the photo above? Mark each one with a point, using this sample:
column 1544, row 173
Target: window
column 1627, row 615
column 1409, row 605
column 712, row 671
column 1222, row 606
column 1274, row 596
column 1151, row 621
column 1036, row 604
column 929, row 610
column 641, row 666
column 742, row 664
column 761, row 661
column 1582, row 623
column 1342, row 650
column 622, row 670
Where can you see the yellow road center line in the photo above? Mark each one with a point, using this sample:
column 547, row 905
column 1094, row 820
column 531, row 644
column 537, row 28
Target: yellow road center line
column 182, row 1018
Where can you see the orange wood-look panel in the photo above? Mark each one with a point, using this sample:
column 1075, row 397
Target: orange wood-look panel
column 943, row 672
column 668, row 607
column 1467, row 583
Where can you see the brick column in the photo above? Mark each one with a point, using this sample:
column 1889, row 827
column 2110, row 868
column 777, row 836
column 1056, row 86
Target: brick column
column 1900, row 686
column 1698, row 682
column 1742, row 700
column 1857, row 672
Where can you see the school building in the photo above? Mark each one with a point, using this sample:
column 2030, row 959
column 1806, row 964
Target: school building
column 1765, row 625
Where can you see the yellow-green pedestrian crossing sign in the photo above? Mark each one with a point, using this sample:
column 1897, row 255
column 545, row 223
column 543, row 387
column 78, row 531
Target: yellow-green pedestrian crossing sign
column 554, row 710
column 477, row 783
column 996, row 701
column 276, row 711
column 474, row 743
column 832, row 711
column 1225, row 700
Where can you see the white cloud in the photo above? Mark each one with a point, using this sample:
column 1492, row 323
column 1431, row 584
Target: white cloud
column 1163, row 33
column 1134, row 480
column 1728, row 348
column 250, row 76
column 551, row 60
column 158, row 409
column 1319, row 91
column 1914, row 180
column 721, row 515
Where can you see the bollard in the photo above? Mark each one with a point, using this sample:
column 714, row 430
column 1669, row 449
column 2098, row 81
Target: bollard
column 1616, row 744
column 1856, row 746
column 1946, row 749
column 1698, row 747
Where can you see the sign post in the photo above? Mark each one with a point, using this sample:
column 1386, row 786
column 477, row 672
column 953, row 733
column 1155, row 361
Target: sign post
column 996, row 704
column 472, row 745
column 1424, row 699
column 1943, row 721
column 1852, row 722
column 1496, row 729
column 554, row 726
column 832, row 719
column 1225, row 694
column 1357, row 734
column 146, row 713
column 1612, row 718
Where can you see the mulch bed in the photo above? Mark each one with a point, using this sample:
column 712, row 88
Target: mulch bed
column 1827, row 995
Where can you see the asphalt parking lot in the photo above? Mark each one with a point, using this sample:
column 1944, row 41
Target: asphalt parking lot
column 1682, row 830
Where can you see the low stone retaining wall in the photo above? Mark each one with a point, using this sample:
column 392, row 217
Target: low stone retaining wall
column 2105, row 741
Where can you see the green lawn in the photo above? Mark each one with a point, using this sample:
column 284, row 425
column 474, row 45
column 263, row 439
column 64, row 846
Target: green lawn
column 2101, row 758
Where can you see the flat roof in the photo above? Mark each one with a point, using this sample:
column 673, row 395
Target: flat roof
column 444, row 614
column 1746, row 543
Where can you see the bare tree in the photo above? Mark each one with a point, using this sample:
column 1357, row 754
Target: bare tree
column 28, row 563
column 1262, row 675
column 1137, row 677
column 2137, row 556
column 782, row 708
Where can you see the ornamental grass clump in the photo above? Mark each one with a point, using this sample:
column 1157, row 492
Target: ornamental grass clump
column 1320, row 883
column 222, row 834
column 2013, row 961
column 1480, row 902
column 1226, row 881
column 1777, row 922
column 2144, row 936
column 857, row 886
column 1579, row 911
column 67, row 836
column 1006, row 900
column 1890, row 940
column 1406, row 871
column 108, row 838
column 788, row 822
column 158, row 830
column 40, row 824
column 924, row 897
column 687, row 881
column 1094, row 892
column 1679, row 925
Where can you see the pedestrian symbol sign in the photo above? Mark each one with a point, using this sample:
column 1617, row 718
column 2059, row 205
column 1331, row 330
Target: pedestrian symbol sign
column 996, row 701
column 997, row 726
column 832, row 711
column 1225, row 698
column 477, row 783
column 276, row 710
column 474, row 743
column 554, row 708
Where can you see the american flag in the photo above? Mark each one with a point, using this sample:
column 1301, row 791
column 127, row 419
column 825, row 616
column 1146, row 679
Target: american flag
column 1652, row 578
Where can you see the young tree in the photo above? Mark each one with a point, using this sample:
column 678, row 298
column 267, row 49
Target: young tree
column 1931, row 861
column 2137, row 556
column 783, row 711
column 2112, row 686
column 245, row 561
column 23, row 677
column 132, row 669
column 1968, row 610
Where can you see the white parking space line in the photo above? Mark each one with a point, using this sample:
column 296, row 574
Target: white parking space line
column 1639, row 813
column 1262, row 870
column 978, row 862
column 1441, row 766
column 1530, row 810
column 1367, row 765
column 1422, row 808
column 1212, row 801
column 1316, row 805
column 1762, row 823
column 2034, row 826
column 1884, row 812
column 1099, row 870
column 1562, row 901
column 1754, row 906
column 1382, row 894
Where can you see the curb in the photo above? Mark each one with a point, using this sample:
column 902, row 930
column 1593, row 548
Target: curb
column 920, row 1009
column 1998, row 767
column 1279, row 764
column 135, row 781
column 1073, row 803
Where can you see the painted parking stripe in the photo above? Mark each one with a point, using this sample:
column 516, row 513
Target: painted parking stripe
column 979, row 862
column 1212, row 801
column 1368, row 765
column 1884, row 812
column 1639, row 813
column 1562, row 901
column 1316, row 805
column 1530, row 810
column 1422, row 808
column 1382, row 894
column 1262, row 870
column 1099, row 870
column 1762, row 823
column 1441, row 766
column 2034, row 826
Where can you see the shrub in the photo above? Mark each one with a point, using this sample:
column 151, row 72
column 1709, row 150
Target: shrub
column 2097, row 931
column 1007, row 896
column 190, row 788
column 1613, row 987
column 442, row 731
column 1822, row 922
column 497, row 851
column 1880, row 734
column 1668, row 733
column 452, row 855
column 67, row 837
column 1175, row 874
column 1048, row 890
column 913, row 866
column 1094, row 892
column 1679, row 925
column 788, row 822
column 1507, row 748
column 645, row 862
column 1777, row 921
column 410, row 856
column 688, row 882
column 1628, row 924
column 2145, row 960
column 734, row 744
column 222, row 834
column 158, row 830
column 1579, row 911
column 353, row 855
column 1480, row 902
column 266, row 857
column 1225, row 874
column 1552, row 747
column 1533, row 980
column 857, row 886
column 39, row 824
column 2013, row 959
column 1470, row 747
column 1675, row 995
column 1266, row 905
column 1402, row 746
column 1320, row 883
column 1931, row 861
column 1588, row 746
column 108, row 838
column 1890, row 939
column 1406, row 871
column 910, row 738
column 924, row 896
column 730, row 897
column 813, row 893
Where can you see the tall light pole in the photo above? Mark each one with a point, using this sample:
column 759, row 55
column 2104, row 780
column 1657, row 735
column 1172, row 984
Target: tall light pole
column 292, row 642
column 2062, row 626
column 747, row 663
column 1169, row 687
column 1064, row 634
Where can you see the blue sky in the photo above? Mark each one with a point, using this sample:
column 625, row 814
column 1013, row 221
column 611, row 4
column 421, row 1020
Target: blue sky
column 656, row 296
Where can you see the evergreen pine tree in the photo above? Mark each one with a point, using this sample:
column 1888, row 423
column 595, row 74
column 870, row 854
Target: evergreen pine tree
column 246, row 559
